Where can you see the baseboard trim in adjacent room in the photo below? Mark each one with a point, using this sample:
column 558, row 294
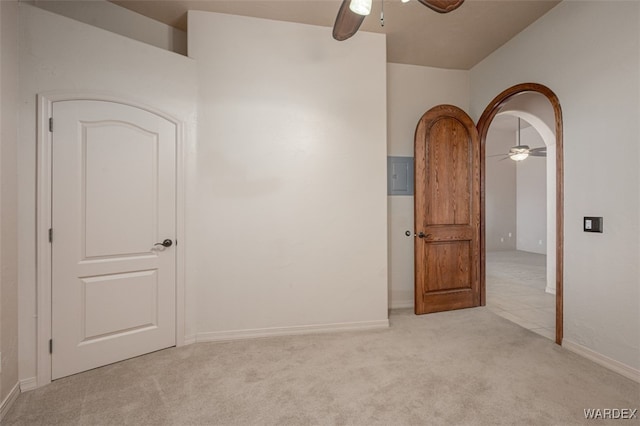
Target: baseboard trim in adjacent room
column 550, row 290
column 28, row 384
column 9, row 400
column 190, row 339
column 220, row 336
column 605, row 361
column 401, row 304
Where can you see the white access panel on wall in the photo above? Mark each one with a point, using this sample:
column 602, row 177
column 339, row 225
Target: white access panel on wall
column 113, row 201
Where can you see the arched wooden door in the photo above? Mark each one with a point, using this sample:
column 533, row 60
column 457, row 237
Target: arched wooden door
column 447, row 211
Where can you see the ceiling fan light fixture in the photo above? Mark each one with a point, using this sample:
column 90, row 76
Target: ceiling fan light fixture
column 405, row 1
column 519, row 152
column 519, row 156
column 361, row 7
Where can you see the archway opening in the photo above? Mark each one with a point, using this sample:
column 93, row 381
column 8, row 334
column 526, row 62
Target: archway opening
column 519, row 220
column 520, row 101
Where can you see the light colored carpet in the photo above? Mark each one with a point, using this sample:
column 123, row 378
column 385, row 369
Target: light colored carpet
column 463, row 367
column 516, row 282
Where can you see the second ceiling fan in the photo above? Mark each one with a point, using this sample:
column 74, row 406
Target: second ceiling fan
column 522, row 152
column 353, row 12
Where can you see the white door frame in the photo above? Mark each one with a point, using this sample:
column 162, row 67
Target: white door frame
column 44, row 182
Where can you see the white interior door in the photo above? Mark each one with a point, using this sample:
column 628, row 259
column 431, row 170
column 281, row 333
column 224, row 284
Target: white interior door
column 113, row 199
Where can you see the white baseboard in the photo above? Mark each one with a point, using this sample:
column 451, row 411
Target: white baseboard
column 220, row 336
column 550, row 290
column 605, row 361
column 9, row 400
column 28, row 384
column 401, row 304
column 190, row 339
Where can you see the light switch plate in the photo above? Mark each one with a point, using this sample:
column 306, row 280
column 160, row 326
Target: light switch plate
column 592, row 224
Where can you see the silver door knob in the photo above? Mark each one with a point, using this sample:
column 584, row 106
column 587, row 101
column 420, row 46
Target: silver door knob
column 165, row 243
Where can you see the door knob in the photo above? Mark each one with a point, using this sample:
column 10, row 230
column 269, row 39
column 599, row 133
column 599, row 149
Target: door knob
column 423, row 235
column 165, row 243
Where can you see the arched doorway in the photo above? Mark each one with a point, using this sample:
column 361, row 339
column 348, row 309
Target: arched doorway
column 487, row 117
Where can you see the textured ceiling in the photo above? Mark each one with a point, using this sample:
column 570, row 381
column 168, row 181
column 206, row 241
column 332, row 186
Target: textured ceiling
column 415, row 34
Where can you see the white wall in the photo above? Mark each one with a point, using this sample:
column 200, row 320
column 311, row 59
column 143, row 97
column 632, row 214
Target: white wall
column 111, row 17
column 412, row 90
column 532, row 197
column 290, row 206
column 57, row 53
column 8, row 199
column 588, row 53
column 500, row 192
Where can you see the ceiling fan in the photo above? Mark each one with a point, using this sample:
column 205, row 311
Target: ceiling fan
column 353, row 12
column 521, row 152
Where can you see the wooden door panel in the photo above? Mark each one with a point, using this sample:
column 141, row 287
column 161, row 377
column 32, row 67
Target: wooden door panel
column 447, row 211
column 448, row 179
column 447, row 266
column 449, row 301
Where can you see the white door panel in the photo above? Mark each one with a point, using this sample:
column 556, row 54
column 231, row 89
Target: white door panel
column 138, row 310
column 129, row 183
column 113, row 190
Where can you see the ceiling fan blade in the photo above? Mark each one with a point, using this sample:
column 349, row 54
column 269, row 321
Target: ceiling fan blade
column 537, row 154
column 498, row 155
column 347, row 22
column 442, row 6
column 541, row 149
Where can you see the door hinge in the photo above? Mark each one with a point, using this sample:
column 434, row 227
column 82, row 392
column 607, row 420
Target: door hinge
column 50, row 346
column 51, row 124
column 50, row 235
